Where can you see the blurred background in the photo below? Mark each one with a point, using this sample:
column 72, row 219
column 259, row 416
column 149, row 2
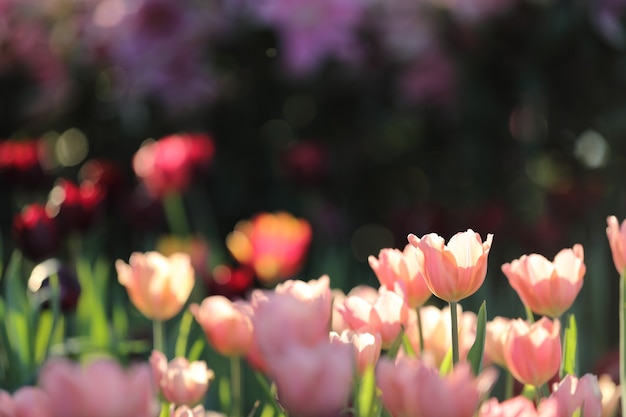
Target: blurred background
column 369, row 119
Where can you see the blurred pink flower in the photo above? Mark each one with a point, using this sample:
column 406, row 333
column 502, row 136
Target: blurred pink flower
column 548, row 288
column 25, row 402
column 198, row 411
column 157, row 285
column 495, row 336
column 532, row 352
column 366, row 347
column 616, row 234
column 573, row 393
column 180, row 381
column 402, row 271
column 456, row 270
column 437, row 332
column 513, row 407
column 387, row 315
column 284, row 318
column 226, row 324
column 96, row 389
column 411, row 388
column 274, row 244
column 173, row 162
column 313, row 381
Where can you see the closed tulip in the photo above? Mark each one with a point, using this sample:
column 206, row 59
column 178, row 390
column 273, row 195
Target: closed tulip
column 100, row 389
column 180, row 381
column 366, row 346
column 582, row 393
column 548, row 288
column 411, row 388
column 532, row 352
column 226, row 324
column 313, row 381
column 25, row 402
column 402, row 271
column 456, row 270
column 616, row 234
column 495, row 336
column 158, row 286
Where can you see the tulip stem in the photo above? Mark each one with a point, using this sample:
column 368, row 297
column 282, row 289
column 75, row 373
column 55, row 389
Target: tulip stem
column 158, row 336
column 508, row 386
column 175, row 214
column 622, row 337
column 236, row 388
column 420, row 331
column 455, row 332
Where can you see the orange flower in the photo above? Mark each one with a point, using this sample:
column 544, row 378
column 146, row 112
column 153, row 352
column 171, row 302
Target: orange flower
column 395, row 268
column 532, row 352
column 456, row 270
column 548, row 288
column 274, row 245
column 616, row 234
column 158, row 286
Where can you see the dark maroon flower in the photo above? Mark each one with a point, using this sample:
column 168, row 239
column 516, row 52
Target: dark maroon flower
column 69, row 287
column 230, row 282
column 172, row 163
column 106, row 176
column 21, row 162
column 306, row 162
column 36, row 233
column 74, row 207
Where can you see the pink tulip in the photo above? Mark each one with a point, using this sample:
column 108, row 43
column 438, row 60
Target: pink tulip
column 517, row 407
column 100, row 389
column 573, row 393
column 548, row 288
column 25, row 402
column 387, row 315
column 226, row 324
column 366, row 347
column 402, row 272
column 513, row 407
column 437, row 332
column 313, row 291
column 411, row 388
column 313, row 381
column 495, row 336
column 281, row 319
column 456, row 270
column 180, row 381
column 532, row 352
column 158, row 286
column 198, row 411
column 616, row 234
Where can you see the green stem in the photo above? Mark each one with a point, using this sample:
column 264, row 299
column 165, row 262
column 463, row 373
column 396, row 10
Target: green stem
column 420, row 331
column 175, row 213
column 236, row 388
column 455, row 332
column 622, row 337
column 158, row 336
column 530, row 317
column 508, row 386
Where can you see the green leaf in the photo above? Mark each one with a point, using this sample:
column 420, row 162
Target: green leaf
column 476, row 352
column 183, row 333
column 17, row 314
column 269, row 395
column 367, row 393
column 223, row 390
column 395, row 346
column 446, row 365
column 569, row 364
column 407, row 346
column 91, row 314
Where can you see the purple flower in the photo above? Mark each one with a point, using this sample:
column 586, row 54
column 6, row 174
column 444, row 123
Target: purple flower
column 311, row 31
